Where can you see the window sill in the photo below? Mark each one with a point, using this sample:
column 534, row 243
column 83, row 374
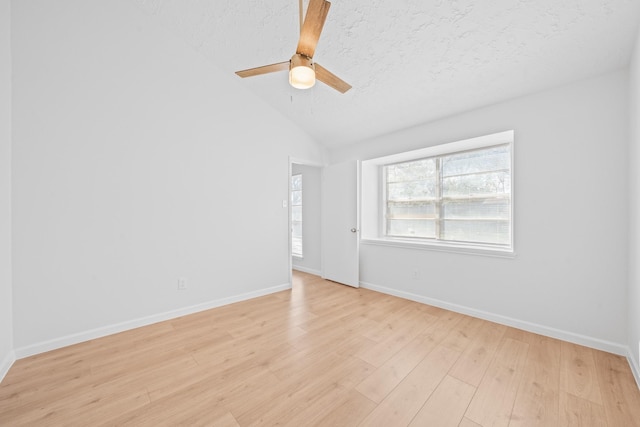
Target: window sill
column 441, row 247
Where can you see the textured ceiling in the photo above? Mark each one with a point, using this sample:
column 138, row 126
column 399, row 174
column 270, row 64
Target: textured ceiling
column 409, row 61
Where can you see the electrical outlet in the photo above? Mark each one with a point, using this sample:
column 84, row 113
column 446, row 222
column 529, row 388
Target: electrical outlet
column 182, row 284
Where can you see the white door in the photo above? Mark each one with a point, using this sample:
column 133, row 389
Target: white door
column 340, row 223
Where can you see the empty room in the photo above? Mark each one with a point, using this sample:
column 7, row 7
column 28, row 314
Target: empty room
column 435, row 224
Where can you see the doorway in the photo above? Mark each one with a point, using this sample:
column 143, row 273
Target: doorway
column 305, row 217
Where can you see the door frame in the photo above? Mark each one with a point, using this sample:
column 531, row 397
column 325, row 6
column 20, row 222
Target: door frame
column 304, row 162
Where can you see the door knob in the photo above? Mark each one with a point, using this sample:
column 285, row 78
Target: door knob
column 353, row 230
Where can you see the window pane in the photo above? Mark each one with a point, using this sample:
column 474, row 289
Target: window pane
column 412, row 180
column 412, row 171
column 484, row 160
column 477, row 209
column 411, row 210
column 476, row 190
column 411, row 228
column 480, row 231
column 296, row 198
column 477, row 184
column 412, row 190
column 296, row 238
column 296, row 246
column 296, row 229
column 296, row 182
column 296, row 213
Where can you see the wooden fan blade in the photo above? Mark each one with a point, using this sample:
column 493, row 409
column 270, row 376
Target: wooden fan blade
column 265, row 69
column 312, row 27
column 330, row 79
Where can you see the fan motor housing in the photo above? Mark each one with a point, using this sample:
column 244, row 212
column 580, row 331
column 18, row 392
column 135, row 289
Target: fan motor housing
column 299, row 60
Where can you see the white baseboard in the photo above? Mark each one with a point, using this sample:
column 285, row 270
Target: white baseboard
column 308, row 270
column 6, row 364
column 635, row 368
column 65, row 341
column 587, row 341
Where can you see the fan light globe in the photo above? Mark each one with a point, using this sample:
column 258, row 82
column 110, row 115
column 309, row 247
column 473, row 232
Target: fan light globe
column 302, row 74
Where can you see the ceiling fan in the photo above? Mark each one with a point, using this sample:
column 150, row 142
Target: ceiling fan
column 303, row 71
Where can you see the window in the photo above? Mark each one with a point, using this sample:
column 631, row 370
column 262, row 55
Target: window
column 296, row 215
column 461, row 197
column 455, row 196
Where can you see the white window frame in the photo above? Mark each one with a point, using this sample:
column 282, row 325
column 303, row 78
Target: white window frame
column 373, row 228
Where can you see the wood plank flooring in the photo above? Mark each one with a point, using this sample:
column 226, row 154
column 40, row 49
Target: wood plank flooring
column 322, row 354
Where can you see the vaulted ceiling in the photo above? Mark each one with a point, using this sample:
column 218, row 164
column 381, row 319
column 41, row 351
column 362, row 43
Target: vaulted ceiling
column 409, row 61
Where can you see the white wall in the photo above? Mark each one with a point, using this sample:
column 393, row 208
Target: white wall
column 634, row 211
column 569, row 278
column 6, row 322
column 311, row 190
column 136, row 162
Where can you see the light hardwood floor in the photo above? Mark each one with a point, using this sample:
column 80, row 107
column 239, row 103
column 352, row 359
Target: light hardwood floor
column 322, row 354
